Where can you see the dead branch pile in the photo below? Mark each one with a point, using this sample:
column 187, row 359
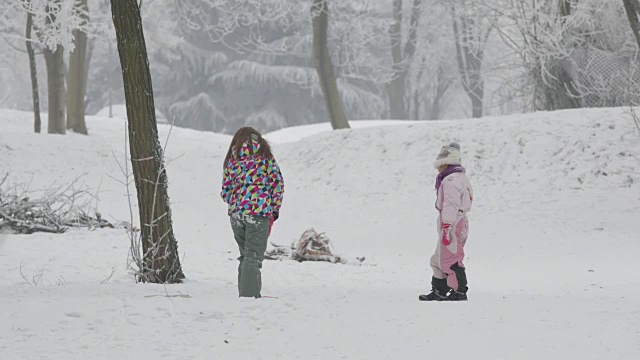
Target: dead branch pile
column 312, row 246
column 52, row 210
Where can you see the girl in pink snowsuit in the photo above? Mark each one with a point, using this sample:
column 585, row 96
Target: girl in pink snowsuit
column 453, row 202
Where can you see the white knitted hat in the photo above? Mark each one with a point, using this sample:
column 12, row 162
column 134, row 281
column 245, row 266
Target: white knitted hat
column 449, row 155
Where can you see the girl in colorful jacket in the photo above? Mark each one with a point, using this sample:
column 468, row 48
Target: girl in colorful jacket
column 453, row 202
column 252, row 185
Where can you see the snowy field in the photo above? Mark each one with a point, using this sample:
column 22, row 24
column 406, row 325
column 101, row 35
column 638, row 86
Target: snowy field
column 552, row 252
column 297, row 133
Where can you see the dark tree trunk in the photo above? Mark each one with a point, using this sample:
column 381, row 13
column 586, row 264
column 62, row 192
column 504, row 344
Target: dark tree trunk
column 160, row 249
column 90, row 48
column 559, row 90
column 632, row 7
column 110, row 67
column 37, row 122
column 77, row 83
column 55, row 83
column 324, row 66
column 55, row 89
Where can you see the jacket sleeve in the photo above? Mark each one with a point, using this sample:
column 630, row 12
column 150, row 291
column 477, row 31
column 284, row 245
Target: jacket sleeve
column 228, row 178
column 452, row 200
column 276, row 187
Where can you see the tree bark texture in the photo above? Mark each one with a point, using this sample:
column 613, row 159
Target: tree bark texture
column 324, row 66
column 160, row 248
column 55, row 84
column 77, row 77
column 37, row 122
column 632, row 8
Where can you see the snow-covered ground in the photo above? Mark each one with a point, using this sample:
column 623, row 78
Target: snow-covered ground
column 297, row 133
column 553, row 248
column 119, row 111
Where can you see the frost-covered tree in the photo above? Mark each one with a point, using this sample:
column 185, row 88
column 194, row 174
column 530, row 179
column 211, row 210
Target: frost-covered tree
column 402, row 55
column 573, row 52
column 471, row 30
column 49, row 25
column 185, row 95
column 104, row 83
column 54, row 58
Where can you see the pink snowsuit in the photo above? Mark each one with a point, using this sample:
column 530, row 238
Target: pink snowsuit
column 454, row 200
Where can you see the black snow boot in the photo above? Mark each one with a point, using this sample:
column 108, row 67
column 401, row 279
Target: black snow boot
column 457, row 296
column 434, row 295
column 439, row 290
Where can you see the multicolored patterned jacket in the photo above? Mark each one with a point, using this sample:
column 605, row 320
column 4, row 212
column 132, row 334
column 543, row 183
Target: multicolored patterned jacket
column 252, row 185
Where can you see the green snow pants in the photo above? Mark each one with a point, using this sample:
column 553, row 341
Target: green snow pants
column 251, row 234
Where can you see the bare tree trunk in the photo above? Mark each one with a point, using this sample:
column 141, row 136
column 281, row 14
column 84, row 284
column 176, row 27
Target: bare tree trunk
column 110, row 67
column 324, row 66
column 395, row 88
column 442, row 86
column 416, row 104
column 632, row 7
column 477, row 97
column 37, row 122
column 55, row 89
column 559, row 90
column 565, row 8
column 161, row 263
column 55, row 83
column 418, row 92
column 90, row 48
column 554, row 86
column 415, row 109
column 77, row 77
column 402, row 58
column 470, row 42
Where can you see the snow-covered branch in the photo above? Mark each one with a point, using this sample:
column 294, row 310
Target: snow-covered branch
column 51, row 210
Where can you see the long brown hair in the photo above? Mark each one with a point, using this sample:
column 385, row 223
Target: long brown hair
column 242, row 136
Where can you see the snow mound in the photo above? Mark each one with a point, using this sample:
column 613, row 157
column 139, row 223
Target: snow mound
column 297, row 133
column 562, row 164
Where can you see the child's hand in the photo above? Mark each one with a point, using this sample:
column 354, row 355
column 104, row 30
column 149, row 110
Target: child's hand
column 446, row 236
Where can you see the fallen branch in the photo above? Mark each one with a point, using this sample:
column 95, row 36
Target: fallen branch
column 312, row 246
column 52, row 210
